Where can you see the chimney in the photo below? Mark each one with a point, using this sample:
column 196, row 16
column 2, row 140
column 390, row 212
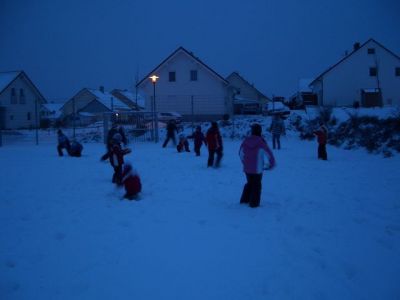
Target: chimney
column 356, row 46
column 101, row 88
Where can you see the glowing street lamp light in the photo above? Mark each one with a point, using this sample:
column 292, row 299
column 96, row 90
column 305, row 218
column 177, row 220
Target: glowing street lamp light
column 155, row 118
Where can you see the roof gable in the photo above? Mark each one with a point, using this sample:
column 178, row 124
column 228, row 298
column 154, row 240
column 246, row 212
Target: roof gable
column 7, row 78
column 236, row 74
column 190, row 55
column 350, row 54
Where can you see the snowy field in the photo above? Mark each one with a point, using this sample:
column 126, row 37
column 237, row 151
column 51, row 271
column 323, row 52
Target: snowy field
column 324, row 230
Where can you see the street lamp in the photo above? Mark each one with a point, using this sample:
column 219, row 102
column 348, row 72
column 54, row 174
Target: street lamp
column 155, row 118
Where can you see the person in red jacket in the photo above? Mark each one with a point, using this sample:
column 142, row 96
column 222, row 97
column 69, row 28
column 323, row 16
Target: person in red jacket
column 214, row 143
column 131, row 182
column 117, row 158
column 322, row 137
column 252, row 153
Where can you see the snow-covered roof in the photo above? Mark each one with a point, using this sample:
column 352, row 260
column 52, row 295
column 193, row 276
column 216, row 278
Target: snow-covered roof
column 6, row 78
column 131, row 96
column 54, row 108
column 107, row 99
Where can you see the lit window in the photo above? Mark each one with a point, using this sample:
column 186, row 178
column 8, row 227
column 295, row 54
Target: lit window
column 172, row 76
column 373, row 72
column 193, row 75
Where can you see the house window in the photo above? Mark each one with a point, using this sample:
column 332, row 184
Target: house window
column 21, row 96
column 172, row 76
column 373, row 71
column 13, row 96
column 397, row 71
column 193, row 75
column 371, row 50
column 11, row 117
column 28, row 116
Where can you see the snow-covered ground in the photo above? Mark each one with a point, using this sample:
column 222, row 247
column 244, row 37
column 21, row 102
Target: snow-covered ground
column 325, row 230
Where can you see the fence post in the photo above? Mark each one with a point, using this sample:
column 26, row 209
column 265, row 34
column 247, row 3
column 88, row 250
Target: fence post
column 36, row 121
column 74, row 117
column 192, row 103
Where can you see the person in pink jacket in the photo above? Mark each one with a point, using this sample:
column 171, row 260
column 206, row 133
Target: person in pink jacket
column 252, row 153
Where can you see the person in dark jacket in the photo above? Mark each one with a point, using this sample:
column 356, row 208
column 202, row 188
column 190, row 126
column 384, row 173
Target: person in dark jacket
column 214, row 143
column 322, row 137
column 114, row 130
column 252, row 153
column 76, row 149
column 183, row 144
column 198, row 139
column 277, row 128
column 171, row 130
column 131, row 182
column 63, row 142
column 117, row 158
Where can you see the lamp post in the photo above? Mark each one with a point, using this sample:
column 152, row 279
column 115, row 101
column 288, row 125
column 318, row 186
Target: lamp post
column 155, row 118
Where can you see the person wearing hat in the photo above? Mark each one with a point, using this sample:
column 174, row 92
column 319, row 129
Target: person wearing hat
column 214, row 143
column 117, row 158
column 252, row 153
column 322, row 137
column 63, row 142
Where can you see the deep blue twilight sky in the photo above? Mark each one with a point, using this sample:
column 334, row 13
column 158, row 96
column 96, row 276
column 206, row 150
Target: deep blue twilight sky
column 65, row 45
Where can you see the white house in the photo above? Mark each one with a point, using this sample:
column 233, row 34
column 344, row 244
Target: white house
column 368, row 76
column 188, row 86
column 246, row 96
column 89, row 105
column 20, row 101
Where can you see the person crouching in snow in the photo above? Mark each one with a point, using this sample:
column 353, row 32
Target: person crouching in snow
column 63, row 142
column 131, row 182
column 76, row 149
column 252, row 152
column 183, row 144
column 198, row 138
column 322, row 137
column 117, row 158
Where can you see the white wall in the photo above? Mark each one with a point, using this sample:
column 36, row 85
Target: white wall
column 209, row 93
column 16, row 115
column 343, row 84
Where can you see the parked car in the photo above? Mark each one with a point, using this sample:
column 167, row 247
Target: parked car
column 168, row 116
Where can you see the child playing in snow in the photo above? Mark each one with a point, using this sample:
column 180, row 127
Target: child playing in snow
column 322, row 137
column 63, row 142
column 131, row 182
column 117, row 158
column 183, row 144
column 198, row 139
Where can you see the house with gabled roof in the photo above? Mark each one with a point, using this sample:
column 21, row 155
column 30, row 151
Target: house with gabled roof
column 134, row 100
column 367, row 76
column 89, row 105
column 20, row 101
column 188, row 86
column 245, row 93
